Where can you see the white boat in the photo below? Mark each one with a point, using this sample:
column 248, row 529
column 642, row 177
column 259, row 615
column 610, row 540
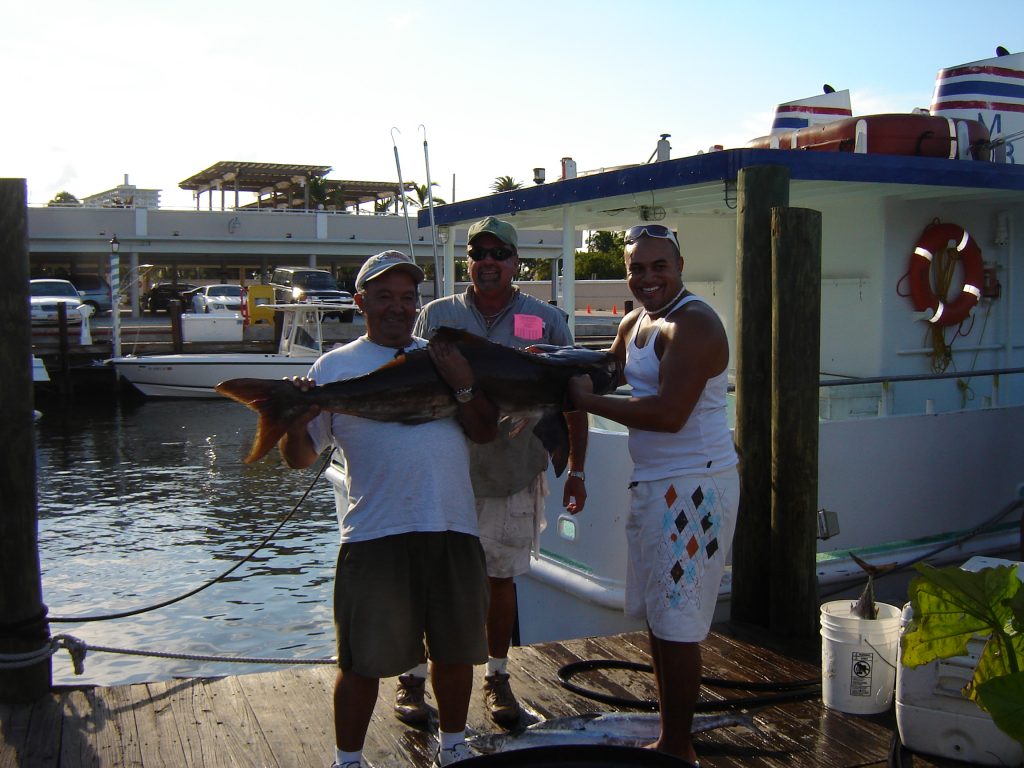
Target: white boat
column 196, row 375
column 910, row 461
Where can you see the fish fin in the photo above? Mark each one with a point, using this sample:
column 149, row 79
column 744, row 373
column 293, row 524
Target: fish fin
column 271, row 399
column 516, row 425
column 553, row 433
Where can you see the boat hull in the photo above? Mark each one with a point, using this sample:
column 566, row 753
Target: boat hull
column 877, row 474
column 196, row 375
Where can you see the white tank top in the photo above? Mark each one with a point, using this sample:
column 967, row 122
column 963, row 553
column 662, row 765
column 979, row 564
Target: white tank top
column 704, row 445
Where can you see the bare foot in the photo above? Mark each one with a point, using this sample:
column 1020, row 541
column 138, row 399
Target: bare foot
column 688, row 754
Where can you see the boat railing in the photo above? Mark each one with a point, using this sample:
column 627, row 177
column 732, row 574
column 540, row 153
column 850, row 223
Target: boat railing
column 878, row 395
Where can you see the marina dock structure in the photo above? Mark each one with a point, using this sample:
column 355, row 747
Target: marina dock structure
column 283, row 719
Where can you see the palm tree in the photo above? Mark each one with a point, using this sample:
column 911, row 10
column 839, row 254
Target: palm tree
column 422, row 198
column 505, row 184
column 319, row 193
column 382, row 204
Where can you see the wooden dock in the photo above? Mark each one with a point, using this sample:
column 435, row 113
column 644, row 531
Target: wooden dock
column 284, row 718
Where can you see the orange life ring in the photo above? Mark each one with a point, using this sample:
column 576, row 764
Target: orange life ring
column 934, row 239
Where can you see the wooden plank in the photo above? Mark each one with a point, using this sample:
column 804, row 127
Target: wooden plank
column 14, row 721
column 243, row 733
column 41, row 748
column 117, row 737
column 298, row 734
column 159, row 741
column 76, row 740
column 199, row 727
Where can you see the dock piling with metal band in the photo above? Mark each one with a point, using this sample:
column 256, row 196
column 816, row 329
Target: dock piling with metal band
column 23, row 627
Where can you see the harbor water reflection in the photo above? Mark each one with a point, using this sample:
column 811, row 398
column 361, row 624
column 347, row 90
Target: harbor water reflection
column 139, row 503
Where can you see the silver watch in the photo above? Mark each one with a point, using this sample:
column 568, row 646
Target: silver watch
column 578, row 473
column 465, row 394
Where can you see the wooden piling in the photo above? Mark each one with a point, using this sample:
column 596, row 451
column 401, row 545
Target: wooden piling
column 63, row 350
column 796, row 334
column 174, row 310
column 22, row 624
column 759, row 189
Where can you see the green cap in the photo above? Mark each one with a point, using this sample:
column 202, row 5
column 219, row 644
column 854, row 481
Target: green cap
column 492, row 226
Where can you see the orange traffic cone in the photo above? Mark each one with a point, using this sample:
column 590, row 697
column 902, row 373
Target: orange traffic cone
column 588, row 309
column 615, row 310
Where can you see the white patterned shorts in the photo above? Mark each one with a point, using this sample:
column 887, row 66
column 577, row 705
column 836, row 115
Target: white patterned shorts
column 679, row 535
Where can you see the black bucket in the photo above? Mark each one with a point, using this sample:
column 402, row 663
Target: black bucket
column 591, row 755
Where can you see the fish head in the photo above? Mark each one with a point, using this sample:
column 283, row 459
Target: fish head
column 605, row 373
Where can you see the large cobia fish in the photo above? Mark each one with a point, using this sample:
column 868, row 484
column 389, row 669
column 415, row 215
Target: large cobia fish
column 622, row 729
column 409, row 390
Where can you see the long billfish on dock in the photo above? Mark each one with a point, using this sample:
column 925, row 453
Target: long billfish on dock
column 409, row 390
column 622, row 729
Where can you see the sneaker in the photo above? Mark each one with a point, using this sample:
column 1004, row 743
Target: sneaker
column 409, row 705
column 500, row 699
column 460, row 751
column 349, row 764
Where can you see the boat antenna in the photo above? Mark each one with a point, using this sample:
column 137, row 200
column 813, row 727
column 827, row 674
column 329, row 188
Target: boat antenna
column 401, row 191
column 430, row 210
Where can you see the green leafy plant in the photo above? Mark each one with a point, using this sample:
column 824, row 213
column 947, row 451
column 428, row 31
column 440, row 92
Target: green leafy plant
column 951, row 606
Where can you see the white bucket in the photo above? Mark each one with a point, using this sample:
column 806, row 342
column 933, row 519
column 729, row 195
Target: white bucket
column 858, row 658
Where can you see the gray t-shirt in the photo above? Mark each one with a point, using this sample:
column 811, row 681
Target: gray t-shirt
column 505, row 465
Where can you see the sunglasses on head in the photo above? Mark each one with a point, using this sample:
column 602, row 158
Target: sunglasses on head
column 651, row 230
column 498, row 254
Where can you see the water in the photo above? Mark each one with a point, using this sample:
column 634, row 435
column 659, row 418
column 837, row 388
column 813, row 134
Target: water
column 139, row 503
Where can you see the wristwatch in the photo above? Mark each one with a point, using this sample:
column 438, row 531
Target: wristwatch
column 465, row 394
column 578, row 473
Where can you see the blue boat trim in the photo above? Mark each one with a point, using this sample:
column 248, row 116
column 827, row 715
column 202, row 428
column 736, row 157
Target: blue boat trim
column 725, row 166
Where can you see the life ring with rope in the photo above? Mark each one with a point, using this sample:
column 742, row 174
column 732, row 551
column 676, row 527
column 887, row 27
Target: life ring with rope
column 934, row 240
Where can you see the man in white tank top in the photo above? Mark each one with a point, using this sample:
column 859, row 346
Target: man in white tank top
column 685, row 488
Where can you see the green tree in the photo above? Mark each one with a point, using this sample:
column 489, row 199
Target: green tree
column 64, row 198
column 383, row 204
column 319, row 192
column 505, row 184
column 422, row 198
column 602, row 260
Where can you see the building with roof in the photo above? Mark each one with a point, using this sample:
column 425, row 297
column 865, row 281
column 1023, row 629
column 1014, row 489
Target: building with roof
column 124, row 195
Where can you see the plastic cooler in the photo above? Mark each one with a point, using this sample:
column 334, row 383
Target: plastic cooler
column 211, row 327
column 935, row 718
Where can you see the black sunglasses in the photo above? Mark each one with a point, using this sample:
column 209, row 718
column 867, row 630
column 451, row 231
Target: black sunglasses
column 498, row 254
column 651, row 230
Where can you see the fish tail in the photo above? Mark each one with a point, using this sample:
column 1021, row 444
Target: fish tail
column 274, row 400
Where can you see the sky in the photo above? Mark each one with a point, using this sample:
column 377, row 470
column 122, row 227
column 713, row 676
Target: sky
column 161, row 90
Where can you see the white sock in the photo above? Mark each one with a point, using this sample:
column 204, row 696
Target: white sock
column 497, row 665
column 417, row 671
column 449, row 740
column 347, row 757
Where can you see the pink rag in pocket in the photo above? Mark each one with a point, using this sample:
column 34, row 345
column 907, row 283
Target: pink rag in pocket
column 528, row 327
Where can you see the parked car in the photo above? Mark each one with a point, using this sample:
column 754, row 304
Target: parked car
column 161, row 294
column 46, row 294
column 217, row 298
column 94, row 291
column 310, row 286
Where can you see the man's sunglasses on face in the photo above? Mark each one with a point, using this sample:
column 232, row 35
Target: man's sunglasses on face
column 651, row 230
column 498, row 254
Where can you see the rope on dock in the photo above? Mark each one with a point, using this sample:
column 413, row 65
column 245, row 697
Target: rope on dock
column 78, row 649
